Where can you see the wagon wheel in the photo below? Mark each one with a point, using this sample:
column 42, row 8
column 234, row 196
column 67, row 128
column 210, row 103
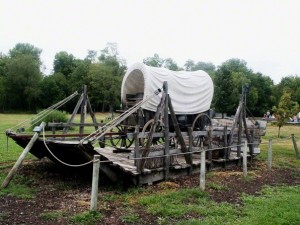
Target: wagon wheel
column 199, row 124
column 121, row 140
column 147, row 128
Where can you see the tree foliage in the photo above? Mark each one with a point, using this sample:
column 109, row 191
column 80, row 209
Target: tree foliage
column 24, row 88
column 26, row 49
column 64, row 63
column 286, row 108
column 154, row 61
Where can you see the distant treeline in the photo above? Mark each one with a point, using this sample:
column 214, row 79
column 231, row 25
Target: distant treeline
column 24, row 87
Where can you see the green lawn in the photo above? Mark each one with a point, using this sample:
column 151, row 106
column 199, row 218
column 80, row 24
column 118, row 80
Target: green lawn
column 184, row 206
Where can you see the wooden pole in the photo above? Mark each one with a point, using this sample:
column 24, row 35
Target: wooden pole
column 74, row 113
column 179, row 136
column 95, row 182
column 166, row 131
column 83, row 109
column 137, row 154
column 190, row 132
column 15, row 168
column 295, row 146
column 270, row 154
column 202, row 170
column 226, row 155
column 245, row 159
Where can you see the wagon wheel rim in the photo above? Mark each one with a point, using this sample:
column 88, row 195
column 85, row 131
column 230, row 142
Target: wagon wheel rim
column 121, row 140
column 147, row 128
column 199, row 124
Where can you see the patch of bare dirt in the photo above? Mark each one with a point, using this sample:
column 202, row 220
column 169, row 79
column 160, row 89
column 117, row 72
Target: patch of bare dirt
column 68, row 192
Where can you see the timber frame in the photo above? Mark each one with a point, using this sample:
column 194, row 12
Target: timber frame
column 222, row 142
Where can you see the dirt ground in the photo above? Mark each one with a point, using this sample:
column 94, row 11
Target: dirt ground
column 64, row 191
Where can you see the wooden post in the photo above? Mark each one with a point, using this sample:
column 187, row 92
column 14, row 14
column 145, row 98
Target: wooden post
column 295, row 146
column 190, row 132
column 202, row 170
column 83, row 110
column 210, row 146
column 226, row 155
column 137, row 155
column 15, row 168
column 146, row 149
column 270, row 154
column 166, row 132
column 188, row 158
column 245, row 159
column 94, row 197
column 74, row 113
column 239, row 137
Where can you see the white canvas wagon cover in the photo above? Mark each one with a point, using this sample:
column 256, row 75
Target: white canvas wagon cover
column 191, row 92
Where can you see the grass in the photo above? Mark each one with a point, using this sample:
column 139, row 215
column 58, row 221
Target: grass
column 86, row 218
column 275, row 206
column 19, row 187
column 47, row 216
column 284, row 155
column 130, row 217
column 176, row 205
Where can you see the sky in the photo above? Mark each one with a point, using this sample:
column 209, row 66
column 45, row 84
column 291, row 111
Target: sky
column 264, row 33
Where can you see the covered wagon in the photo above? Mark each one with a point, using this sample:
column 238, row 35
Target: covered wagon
column 191, row 91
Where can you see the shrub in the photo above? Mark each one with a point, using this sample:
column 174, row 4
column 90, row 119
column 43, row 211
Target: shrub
column 56, row 116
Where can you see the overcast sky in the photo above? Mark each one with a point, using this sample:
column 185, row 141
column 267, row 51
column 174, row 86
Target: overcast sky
column 265, row 33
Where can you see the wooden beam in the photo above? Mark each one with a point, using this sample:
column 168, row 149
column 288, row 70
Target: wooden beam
column 188, row 158
column 146, row 149
column 21, row 158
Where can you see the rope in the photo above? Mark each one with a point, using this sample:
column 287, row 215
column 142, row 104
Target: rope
column 186, row 153
column 64, row 163
column 46, row 112
column 110, row 125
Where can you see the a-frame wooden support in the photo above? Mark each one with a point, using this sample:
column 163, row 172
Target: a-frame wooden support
column 85, row 106
column 163, row 109
column 239, row 121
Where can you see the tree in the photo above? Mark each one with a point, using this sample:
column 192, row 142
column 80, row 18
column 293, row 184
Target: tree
column 205, row 66
column 286, row 109
column 292, row 82
column 52, row 90
column 260, row 97
column 3, row 72
column 64, row 63
column 259, row 88
column 154, row 61
column 26, row 49
column 104, row 88
column 171, row 64
column 110, row 57
column 189, row 64
column 22, row 83
column 79, row 76
column 224, row 97
column 91, row 56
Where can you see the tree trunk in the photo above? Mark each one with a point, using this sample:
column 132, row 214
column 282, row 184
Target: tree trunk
column 279, row 132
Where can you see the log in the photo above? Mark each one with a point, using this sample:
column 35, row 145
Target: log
column 21, row 158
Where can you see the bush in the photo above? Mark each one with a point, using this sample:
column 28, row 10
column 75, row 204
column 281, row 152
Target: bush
column 55, row 116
